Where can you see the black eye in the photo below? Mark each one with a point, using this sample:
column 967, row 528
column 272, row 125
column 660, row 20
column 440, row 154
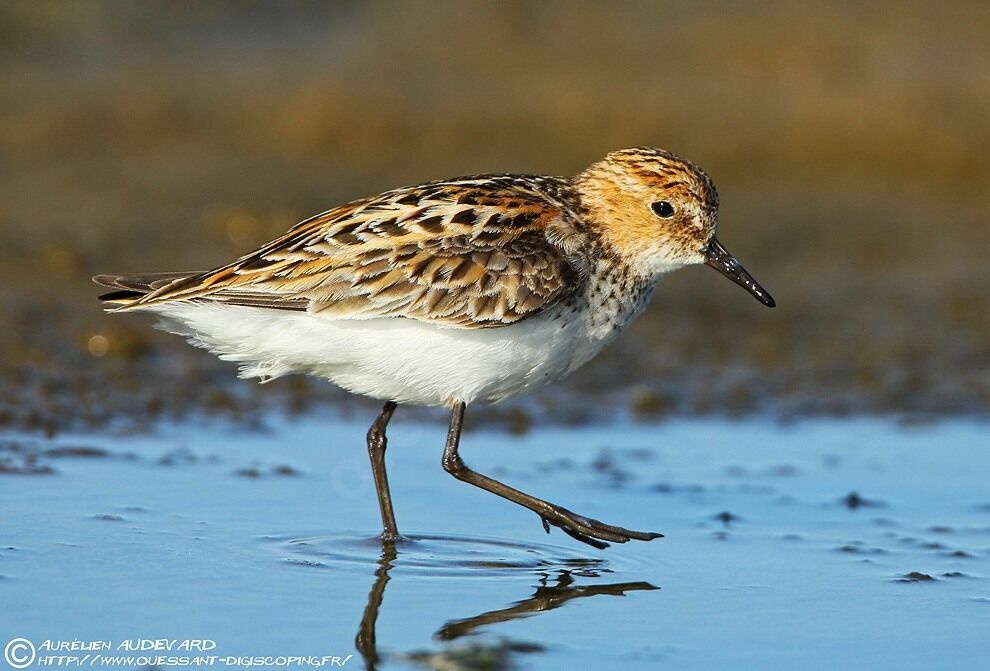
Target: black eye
column 663, row 209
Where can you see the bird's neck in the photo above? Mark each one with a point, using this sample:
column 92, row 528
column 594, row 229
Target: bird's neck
column 617, row 288
column 616, row 293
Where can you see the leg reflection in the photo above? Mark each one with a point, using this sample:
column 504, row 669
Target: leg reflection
column 365, row 639
column 546, row 597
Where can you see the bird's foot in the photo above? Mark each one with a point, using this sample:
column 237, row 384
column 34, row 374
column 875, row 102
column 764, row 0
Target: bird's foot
column 590, row 531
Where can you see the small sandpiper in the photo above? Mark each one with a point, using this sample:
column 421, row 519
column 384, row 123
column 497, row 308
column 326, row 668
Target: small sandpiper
column 458, row 291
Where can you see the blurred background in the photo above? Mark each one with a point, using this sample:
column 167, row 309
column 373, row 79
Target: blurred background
column 849, row 143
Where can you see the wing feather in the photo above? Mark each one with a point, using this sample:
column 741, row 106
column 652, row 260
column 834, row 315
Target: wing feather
column 476, row 252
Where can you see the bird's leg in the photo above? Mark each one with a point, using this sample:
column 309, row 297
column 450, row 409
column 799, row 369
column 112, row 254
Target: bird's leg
column 376, row 450
column 577, row 526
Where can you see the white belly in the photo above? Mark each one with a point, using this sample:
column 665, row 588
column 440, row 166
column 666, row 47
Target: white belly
column 397, row 359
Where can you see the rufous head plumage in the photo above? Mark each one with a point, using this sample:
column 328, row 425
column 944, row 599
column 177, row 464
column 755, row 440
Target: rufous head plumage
column 658, row 212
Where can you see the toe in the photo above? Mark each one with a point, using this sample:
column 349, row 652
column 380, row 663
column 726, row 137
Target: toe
column 593, row 542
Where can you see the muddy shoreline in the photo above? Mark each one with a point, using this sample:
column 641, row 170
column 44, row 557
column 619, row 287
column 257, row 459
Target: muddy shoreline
column 147, row 139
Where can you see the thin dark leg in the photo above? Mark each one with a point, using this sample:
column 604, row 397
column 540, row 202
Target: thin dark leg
column 577, row 526
column 376, row 450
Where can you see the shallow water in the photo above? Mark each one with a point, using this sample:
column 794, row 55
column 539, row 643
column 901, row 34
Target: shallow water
column 801, row 546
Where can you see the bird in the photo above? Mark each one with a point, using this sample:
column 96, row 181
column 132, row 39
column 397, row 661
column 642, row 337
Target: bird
column 454, row 292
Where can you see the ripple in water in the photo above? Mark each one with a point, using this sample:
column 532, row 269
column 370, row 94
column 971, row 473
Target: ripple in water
column 437, row 555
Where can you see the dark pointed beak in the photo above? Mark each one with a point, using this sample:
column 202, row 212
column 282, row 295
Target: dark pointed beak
column 721, row 260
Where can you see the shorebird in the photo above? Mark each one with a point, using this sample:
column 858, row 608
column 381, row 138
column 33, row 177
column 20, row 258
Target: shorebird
column 458, row 291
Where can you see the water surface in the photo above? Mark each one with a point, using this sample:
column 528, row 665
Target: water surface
column 816, row 545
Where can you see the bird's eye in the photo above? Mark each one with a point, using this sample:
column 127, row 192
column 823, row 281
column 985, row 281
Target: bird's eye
column 663, row 209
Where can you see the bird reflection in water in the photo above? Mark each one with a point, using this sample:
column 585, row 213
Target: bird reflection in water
column 365, row 640
column 555, row 588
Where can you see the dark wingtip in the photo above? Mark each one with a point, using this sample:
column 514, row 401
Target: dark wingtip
column 122, row 295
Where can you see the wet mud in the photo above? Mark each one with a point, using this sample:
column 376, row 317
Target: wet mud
column 129, row 142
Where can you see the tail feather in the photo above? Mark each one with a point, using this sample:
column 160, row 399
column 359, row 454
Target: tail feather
column 129, row 288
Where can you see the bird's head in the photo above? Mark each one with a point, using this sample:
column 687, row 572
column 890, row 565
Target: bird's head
column 659, row 212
